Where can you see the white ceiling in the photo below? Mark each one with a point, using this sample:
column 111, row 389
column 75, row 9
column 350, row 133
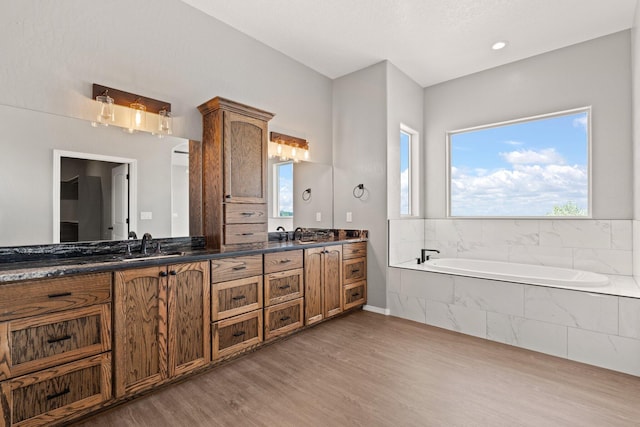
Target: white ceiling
column 430, row 40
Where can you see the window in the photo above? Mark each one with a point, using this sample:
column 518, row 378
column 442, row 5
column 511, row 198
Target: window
column 283, row 194
column 405, row 173
column 534, row 167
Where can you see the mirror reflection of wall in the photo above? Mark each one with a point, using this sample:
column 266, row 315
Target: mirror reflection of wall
column 180, row 190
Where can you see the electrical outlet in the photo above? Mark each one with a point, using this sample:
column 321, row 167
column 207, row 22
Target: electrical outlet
column 349, row 217
column 318, row 216
column 146, row 215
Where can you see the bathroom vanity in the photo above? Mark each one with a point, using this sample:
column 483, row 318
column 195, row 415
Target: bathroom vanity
column 81, row 334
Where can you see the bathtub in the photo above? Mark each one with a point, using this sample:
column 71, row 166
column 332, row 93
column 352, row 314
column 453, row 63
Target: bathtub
column 515, row 272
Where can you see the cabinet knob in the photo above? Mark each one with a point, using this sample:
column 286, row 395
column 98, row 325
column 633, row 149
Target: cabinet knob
column 228, row 196
column 163, row 274
column 173, row 273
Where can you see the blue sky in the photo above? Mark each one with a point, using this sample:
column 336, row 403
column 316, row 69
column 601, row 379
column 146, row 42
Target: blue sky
column 285, row 184
column 520, row 169
column 404, row 172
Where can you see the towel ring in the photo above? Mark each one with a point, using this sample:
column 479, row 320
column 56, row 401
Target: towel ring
column 306, row 195
column 358, row 191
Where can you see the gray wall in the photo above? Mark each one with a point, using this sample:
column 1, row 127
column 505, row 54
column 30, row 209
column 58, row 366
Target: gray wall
column 360, row 157
column 635, row 82
column 52, row 51
column 594, row 73
column 405, row 100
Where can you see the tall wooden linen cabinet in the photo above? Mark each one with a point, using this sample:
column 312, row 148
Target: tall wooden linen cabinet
column 234, row 173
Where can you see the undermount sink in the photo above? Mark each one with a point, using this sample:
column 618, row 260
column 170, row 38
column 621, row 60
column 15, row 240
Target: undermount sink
column 305, row 242
column 143, row 257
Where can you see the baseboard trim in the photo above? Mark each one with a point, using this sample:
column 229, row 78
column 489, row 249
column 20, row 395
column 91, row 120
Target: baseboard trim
column 378, row 310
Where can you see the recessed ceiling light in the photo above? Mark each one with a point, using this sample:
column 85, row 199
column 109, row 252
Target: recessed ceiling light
column 499, row 45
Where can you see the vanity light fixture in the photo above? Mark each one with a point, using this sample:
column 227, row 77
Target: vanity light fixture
column 138, row 116
column 106, row 113
column 165, row 122
column 288, row 147
column 499, row 45
column 140, row 108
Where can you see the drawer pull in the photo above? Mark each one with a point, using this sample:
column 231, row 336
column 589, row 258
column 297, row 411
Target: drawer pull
column 284, row 261
column 357, row 270
column 285, row 318
column 238, row 334
column 284, row 287
column 240, row 267
column 238, row 298
column 62, row 393
column 357, row 294
column 247, row 213
column 62, row 294
column 246, row 234
column 62, row 338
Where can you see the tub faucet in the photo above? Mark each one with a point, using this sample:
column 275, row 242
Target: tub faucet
column 423, row 254
column 146, row 240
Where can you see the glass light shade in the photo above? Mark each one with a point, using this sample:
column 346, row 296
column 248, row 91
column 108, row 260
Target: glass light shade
column 138, row 116
column 279, row 149
column 306, row 154
column 165, row 122
column 106, row 112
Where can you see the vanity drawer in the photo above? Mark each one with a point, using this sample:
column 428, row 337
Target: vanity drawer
column 232, row 268
column 354, row 270
column 40, row 342
column 47, row 396
column 282, row 318
column 245, row 213
column 355, row 294
column 280, row 261
column 237, row 333
column 22, row 299
column 283, row 286
column 354, row 250
column 236, row 297
column 245, row 233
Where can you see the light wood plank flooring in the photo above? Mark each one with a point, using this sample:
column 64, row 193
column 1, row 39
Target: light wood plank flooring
column 366, row 369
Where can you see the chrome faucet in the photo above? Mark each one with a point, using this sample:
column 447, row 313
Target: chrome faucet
column 146, row 239
column 423, row 254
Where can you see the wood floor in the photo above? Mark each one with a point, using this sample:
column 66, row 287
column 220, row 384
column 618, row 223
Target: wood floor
column 367, row 369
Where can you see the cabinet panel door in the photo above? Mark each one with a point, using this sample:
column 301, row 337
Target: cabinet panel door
column 245, row 155
column 189, row 317
column 140, row 324
column 313, row 260
column 332, row 281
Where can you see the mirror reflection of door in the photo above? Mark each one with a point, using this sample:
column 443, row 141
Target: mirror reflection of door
column 94, row 200
column 120, row 202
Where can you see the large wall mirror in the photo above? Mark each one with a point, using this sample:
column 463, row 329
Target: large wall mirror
column 63, row 180
column 300, row 195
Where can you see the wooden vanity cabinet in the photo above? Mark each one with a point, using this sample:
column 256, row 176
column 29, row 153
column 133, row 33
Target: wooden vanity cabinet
column 354, row 266
column 323, row 283
column 234, row 159
column 55, row 348
column 236, row 304
column 162, row 324
column 283, row 293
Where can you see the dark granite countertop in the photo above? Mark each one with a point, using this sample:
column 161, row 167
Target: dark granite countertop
column 38, row 268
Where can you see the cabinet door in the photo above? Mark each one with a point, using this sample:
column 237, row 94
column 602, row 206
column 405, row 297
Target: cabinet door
column 245, row 158
column 332, row 295
column 189, row 317
column 313, row 260
column 140, row 326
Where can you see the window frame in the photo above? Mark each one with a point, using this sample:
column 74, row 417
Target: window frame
column 586, row 109
column 414, row 172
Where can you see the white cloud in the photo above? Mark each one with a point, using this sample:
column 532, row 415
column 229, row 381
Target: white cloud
column 580, row 122
column 526, row 190
column 404, row 192
column 523, row 157
column 516, row 143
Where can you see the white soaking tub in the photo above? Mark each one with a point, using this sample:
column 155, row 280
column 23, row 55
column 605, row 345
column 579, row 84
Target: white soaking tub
column 515, row 272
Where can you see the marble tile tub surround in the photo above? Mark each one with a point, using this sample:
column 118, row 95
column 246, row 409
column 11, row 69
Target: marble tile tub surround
column 602, row 330
column 601, row 246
